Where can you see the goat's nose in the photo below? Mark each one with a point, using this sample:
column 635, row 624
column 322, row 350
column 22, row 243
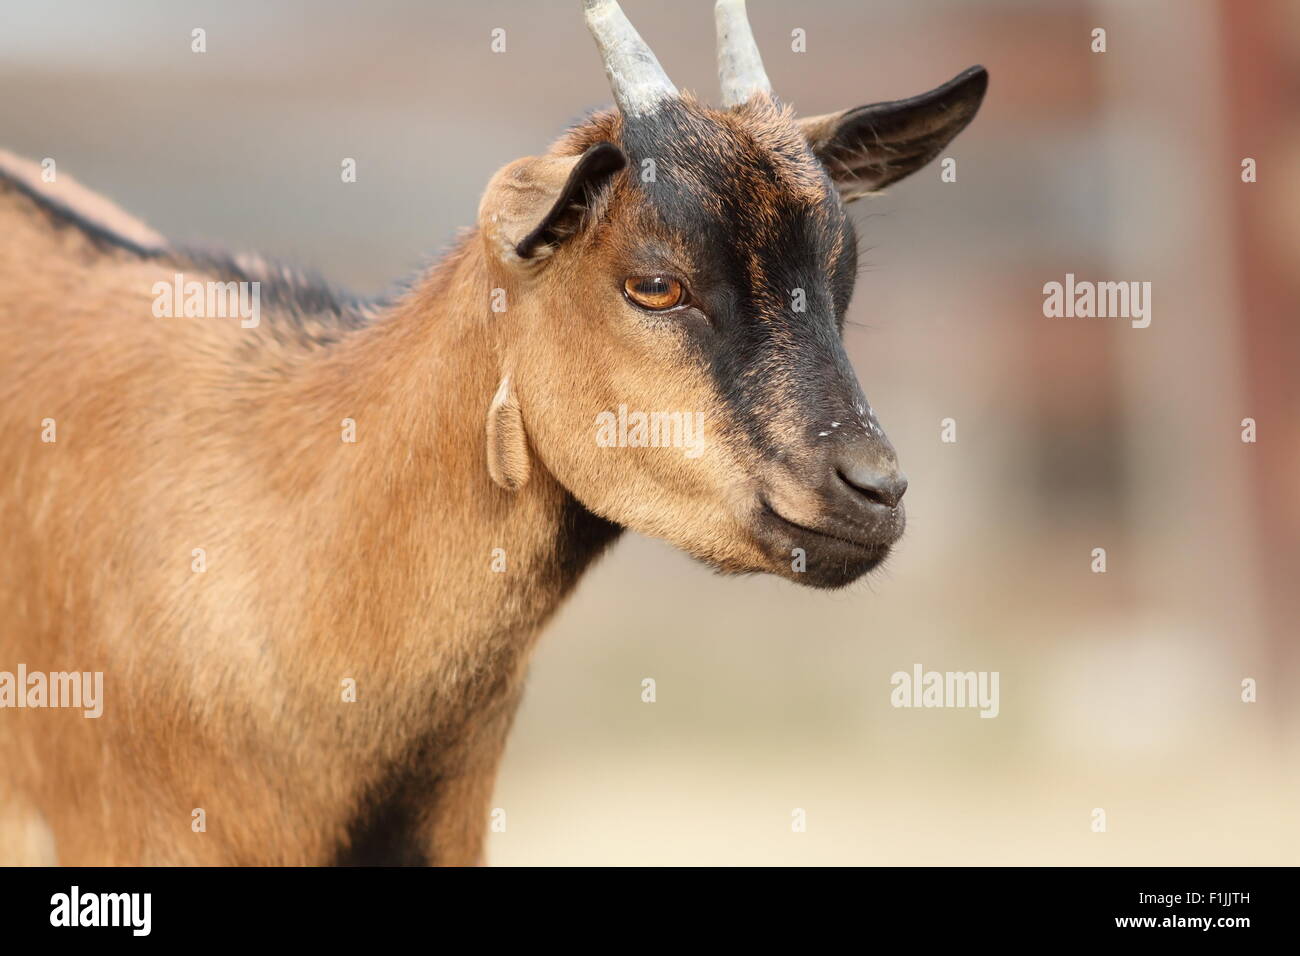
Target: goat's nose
column 878, row 481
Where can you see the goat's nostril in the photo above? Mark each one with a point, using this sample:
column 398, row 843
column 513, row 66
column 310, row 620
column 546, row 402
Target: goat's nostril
column 882, row 488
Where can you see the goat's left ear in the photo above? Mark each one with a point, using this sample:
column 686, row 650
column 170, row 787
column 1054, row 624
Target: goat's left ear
column 533, row 204
column 867, row 148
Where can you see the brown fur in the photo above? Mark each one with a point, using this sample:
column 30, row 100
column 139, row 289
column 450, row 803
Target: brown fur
column 326, row 560
column 329, row 560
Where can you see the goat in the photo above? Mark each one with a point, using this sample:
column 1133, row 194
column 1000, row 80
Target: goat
column 311, row 554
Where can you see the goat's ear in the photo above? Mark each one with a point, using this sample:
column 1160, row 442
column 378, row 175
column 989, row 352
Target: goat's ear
column 507, row 442
column 867, row 148
column 533, row 204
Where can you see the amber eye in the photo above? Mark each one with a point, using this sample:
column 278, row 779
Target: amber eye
column 657, row 293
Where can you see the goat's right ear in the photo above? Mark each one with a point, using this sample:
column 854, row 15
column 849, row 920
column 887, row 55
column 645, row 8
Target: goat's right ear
column 533, row 204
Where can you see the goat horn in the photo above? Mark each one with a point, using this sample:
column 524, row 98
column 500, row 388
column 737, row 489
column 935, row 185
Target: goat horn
column 740, row 68
column 638, row 81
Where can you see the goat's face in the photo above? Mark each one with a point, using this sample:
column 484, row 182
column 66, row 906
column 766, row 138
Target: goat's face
column 680, row 278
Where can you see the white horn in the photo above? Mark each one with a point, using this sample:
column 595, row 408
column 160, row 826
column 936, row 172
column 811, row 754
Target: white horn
column 740, row 68
column 638, row 81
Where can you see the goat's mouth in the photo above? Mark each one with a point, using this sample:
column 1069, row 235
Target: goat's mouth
column 769, row 511
column 822, row 557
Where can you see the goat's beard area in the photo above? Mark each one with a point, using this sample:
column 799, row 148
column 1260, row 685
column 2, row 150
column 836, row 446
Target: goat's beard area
column 737, row 531
column 820, row 558
column 760, row 541
column 708, row 507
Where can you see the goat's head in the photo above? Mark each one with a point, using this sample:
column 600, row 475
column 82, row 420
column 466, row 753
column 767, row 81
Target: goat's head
column 676, row 275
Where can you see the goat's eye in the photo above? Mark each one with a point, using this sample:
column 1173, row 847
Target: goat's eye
column 656, row 293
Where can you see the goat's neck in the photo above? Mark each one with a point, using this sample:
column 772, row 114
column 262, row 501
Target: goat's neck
column 417, row 519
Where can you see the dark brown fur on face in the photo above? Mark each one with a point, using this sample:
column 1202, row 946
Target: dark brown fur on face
column 421, row 560
column 799, row 478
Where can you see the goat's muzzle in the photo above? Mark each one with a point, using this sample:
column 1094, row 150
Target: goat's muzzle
column 841, row 518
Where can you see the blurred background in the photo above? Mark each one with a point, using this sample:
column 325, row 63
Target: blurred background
column 1120, row 691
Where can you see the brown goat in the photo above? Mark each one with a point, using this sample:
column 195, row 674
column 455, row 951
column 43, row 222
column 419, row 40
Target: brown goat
column 238, row 522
